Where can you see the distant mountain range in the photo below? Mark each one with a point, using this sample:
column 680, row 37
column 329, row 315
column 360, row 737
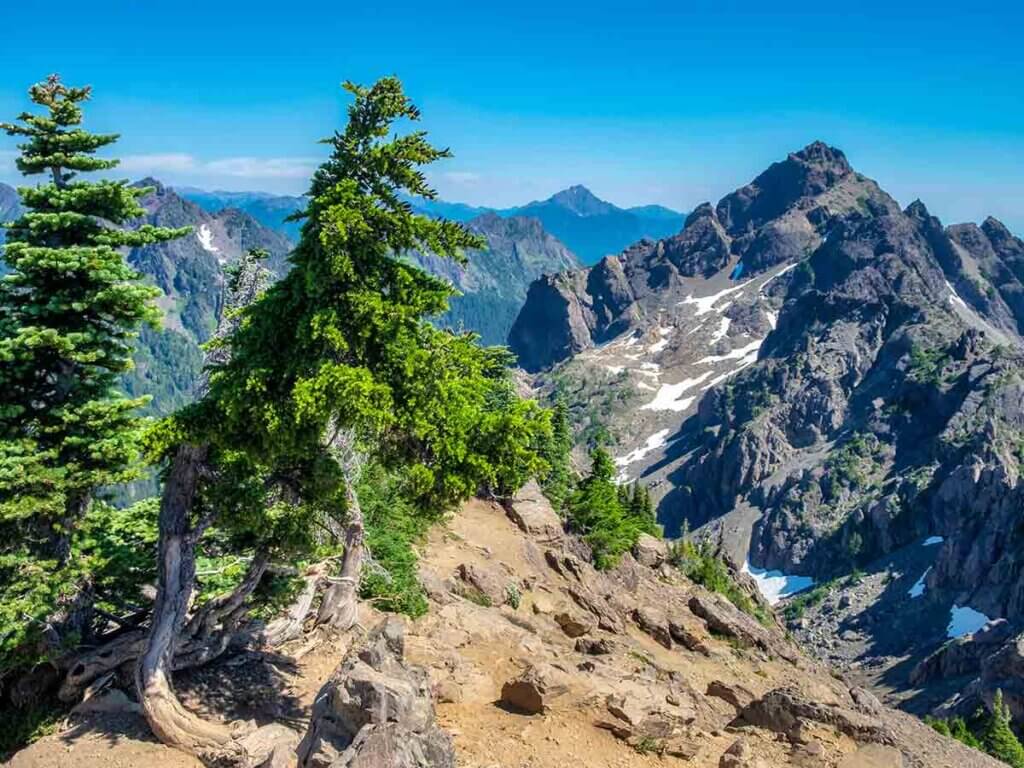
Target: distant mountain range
column 590, row 227
column 494, row 281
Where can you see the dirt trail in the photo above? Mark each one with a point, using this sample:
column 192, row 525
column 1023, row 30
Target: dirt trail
column 499, row 599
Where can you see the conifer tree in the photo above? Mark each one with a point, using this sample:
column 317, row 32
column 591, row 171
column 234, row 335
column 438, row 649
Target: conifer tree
column 998, row 737
column 335, row 365
column 557, row 452
column 69, row 310
column 605, row 513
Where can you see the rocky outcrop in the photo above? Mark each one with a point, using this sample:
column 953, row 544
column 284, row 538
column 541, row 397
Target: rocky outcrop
column 533, row 513
column 536, row 690
column 787, row 711
column 376, row 710
column 723, row 618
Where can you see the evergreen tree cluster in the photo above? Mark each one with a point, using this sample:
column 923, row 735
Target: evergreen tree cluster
column 987, row 731
column 328, row 387
column 609, row 517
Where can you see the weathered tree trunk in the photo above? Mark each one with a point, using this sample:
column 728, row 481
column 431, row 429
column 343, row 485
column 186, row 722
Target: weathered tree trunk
column 289, row 626
column 176, row 569
column 340, row 605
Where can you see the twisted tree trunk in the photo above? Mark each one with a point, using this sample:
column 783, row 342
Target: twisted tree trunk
column 176, row 569
column 340, row 605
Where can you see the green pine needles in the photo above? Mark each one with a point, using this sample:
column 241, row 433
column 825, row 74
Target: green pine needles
column 987, row 731
column 69, row 310
column 610, row 517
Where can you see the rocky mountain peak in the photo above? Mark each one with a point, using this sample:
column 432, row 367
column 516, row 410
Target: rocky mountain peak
column 581, row 201
column 820, row 155
column 808, row 173
column 998, row 232
column 158, row 188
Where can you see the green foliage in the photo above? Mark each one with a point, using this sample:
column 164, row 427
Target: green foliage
column 987, row 731
column 798, row 604
column 853, row 465
column 998, row 737
column 393, row 526
column 24, row 725
column 112, row 550
column 341, row 344
column 926, row 364
column 702, row 566
column 513, row 596
column 556, row 451
column 605, row 514
column 70, row 309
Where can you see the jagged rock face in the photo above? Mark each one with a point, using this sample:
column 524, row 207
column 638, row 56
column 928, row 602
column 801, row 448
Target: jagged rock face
column 376, row 710
column 494, row 281
column 991, row 253
column 778, row 219
column 190, row 270
column 834, row 379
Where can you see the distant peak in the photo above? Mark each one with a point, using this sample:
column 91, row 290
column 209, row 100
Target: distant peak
column 581, row 201
column 822, row 155
column 149, row 181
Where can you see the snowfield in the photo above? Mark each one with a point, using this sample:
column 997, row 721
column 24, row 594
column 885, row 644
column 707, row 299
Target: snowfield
column 775, row 585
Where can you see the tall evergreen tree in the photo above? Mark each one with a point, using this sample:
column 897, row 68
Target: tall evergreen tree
column 334, row 364
column 557, row 453
column 69, row 310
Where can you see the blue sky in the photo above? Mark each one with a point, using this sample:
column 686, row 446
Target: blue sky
column 673, row 103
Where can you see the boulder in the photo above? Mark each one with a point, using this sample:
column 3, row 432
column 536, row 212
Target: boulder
column 726, row 619
column 736, row 695
column 650, row 551
column 653, row 624
column 535, row 690
column 533, row 513
column 478, row 583
column 602, row 608
column 574, row 624
column 375, row 710
column 689, row 633
column 787, row 711
column 593, row 646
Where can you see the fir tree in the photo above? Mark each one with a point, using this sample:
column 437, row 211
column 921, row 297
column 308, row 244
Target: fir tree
column 69, row 310
column 603, row 512
column 998, row 737
column 557, row 453
column 334, row 365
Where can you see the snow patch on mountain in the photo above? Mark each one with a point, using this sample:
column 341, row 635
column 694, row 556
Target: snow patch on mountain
column 776, row 585
column 706, row 304
column 739, row 353
column 653, row 443
column 668, row 397
column 964, row 620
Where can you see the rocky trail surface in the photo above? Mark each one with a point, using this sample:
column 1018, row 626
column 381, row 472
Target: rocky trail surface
column 529, row 658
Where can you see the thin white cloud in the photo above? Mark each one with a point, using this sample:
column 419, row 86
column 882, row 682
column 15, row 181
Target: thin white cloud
column 462, row 177
column 263, row 167
column 226, row 167
column 174, row 162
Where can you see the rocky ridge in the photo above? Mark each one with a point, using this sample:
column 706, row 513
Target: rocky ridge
column 821, row 381
column 530, row 657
